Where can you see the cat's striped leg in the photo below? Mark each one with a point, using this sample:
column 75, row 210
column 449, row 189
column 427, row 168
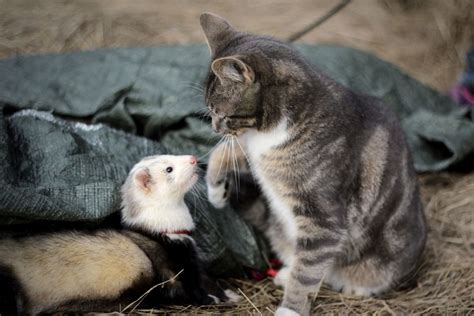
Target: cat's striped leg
column 316, row 250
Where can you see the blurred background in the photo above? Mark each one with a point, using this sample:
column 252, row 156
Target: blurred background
column 426, row 38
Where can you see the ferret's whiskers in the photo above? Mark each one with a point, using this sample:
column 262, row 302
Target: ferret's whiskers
column 194, row 199
column 197, row 198
column 198, row 193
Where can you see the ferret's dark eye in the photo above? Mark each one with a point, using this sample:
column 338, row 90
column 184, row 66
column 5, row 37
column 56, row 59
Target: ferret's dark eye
column 169, row 169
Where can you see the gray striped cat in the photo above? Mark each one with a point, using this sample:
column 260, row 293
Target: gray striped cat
column 333, row 166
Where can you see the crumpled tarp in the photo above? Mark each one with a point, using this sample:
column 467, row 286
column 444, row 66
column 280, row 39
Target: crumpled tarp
column 148, row 101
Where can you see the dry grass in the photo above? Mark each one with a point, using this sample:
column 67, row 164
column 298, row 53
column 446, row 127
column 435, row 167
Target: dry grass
column 427, row 38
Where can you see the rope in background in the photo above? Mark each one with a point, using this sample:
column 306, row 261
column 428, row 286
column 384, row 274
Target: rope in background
column 318, row 22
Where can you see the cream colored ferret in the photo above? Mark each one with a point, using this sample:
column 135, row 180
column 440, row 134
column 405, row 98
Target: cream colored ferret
column 103, row 269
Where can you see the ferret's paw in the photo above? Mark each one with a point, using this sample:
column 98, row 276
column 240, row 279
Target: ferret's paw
column 214, row 298
column 202, row 298
column 282, row 277
column 232, row 297
column 218, row 193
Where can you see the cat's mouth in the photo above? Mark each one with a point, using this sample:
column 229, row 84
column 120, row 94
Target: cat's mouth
column 233, row 124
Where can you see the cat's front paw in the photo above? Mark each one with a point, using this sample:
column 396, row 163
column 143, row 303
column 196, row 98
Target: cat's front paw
column 218, row 192
column 283, row 311
column 282, row 277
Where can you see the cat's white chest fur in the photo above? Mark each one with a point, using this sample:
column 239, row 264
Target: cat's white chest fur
column 257, row 146
column 260, row 143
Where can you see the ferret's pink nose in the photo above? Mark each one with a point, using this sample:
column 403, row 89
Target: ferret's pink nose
column 193, row 160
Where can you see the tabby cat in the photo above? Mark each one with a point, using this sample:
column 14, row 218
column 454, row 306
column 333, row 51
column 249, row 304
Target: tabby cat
column 333, row 166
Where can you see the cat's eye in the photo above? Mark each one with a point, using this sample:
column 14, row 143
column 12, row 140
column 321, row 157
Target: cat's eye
column 169, row 169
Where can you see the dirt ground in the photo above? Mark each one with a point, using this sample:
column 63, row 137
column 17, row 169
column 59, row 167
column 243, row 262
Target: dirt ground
column 426, row 38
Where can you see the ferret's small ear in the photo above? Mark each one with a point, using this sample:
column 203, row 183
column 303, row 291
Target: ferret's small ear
column 232, row 68
column 142, row 179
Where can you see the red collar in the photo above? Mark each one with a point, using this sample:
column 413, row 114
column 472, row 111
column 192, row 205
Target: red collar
column 178, row 232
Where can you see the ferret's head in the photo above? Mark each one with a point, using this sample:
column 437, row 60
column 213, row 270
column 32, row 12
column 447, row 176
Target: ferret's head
column 153, row 193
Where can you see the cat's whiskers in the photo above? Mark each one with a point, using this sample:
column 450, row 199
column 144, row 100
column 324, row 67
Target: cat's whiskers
column 204, row 112
column 228, row 154
column 246, row 158
column 193, row 85
column 232, row 158
column 226, row 145
column 235, row 165
column 210, row 150
column 197, row 89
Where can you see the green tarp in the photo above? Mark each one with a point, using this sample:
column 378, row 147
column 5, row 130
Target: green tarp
column 148, row 101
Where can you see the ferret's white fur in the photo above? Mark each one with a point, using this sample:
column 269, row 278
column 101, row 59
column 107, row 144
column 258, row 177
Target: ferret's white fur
column 59, row 267
column 160, row 209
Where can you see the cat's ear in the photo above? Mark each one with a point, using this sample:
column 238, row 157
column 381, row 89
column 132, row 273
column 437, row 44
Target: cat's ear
column 142, row 179
column 217, row 30
column 232, row 69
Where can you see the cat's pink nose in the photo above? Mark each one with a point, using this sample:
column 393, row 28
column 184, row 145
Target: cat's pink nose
column 193, row 160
